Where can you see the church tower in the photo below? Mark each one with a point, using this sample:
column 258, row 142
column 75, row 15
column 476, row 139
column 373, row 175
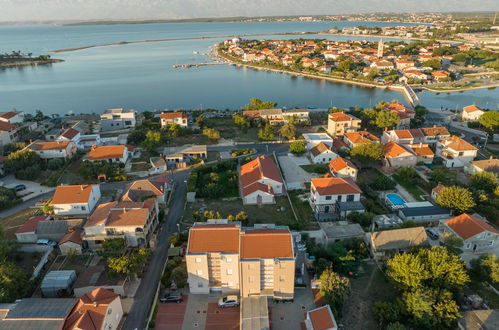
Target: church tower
column 380, row 48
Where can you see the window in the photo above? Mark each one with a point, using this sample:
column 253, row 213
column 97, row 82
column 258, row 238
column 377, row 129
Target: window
column 282, row 278
column 339, row 198
column 200, row 284
column 251, row 279
column 199, row 272
column 230, row 284
column 326, row 209
column 229, row 271
column 468, row 245
column 198, row 260
column 109, row 311
column 328, row 197
column 83, row 207
column 350, row 198
column 228, row 259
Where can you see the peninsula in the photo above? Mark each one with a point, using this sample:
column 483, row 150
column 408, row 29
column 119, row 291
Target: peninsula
column 16, row 59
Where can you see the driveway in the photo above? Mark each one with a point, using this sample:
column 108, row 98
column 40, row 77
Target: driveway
column 294, row 175
column 33, row 189
column 171, row 316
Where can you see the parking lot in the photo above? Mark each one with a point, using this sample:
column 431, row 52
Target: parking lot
column 33, row 189
column 171, row 315
column 222, row 318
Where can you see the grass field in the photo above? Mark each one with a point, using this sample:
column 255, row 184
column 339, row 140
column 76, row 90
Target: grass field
column 316, row 168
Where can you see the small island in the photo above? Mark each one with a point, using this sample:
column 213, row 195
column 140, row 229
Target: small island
column 16, row 58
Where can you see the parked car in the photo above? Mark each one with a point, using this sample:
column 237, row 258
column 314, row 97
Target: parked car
column 171, row 297
column 228, row 301
column 20, row 187
column 432, row 233
column 44, row 241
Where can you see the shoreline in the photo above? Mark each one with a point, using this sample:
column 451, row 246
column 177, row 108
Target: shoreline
column 429, row 89
column 28, row 63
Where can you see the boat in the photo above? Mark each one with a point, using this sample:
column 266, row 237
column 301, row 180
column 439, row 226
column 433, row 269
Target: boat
column 195, row 52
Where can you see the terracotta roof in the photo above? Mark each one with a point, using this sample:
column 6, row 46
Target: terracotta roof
column 440, row 73
column 100, row 214
column 361, row 137
column 408, row 133
column 213, row 238
column 435, row 131
column 117, row 214
column 341, row 116
column 50, row 145
column 397, row 107
column 90, row 310
column 394, row 150
column 106, row 152
column 438, row 188
column 252, row 114
column 9, row 114
column 457, row 144
column 490, row 165
column 69, row 133
column 30, row 225
column 257, row 186
column 143, row 188
column 471, row 108
column 259, row 168
column 399, row 238
column 339, row 144
column 266, row 243
column 321, row 318
column 467, row 226
column 335, row 186
column 72, row 194
column 319, row 149
column 172, row 115
column 422, row 150
column 74, row 236
column 340, row 163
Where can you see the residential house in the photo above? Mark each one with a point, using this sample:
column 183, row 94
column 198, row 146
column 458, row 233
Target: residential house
column 402, row 64
column 321, row 318
column 334, row 198
column 384, row 244
column 111, row 154
column 435, row 191
column 340, row 123
column 26, row 233
column 487, row 165
column 12, row 117
column 456, row 152
column 8, row 133
column 259, row 178
column 472, row 113
column 434, row 134
column 142, row 189
column 343, row 168
column 382, row 65
column 169, row 118
column 440, row 75
column 99, row 309
column 403, row 136
column 135, row 222
column 118, row 118
column 477, row 234
column 395, row 156
column 53, row 149
column 299, row 115
column 322, row 153
column 53, row 134
column 313, row 139
column 75, row 200
column 44, row 227
column 354, row 139
column 422, row 212
column 272, row 116
column 252, row 115
column 423, row 153
column 72, row 242
column 249, row 261
column 89, row 140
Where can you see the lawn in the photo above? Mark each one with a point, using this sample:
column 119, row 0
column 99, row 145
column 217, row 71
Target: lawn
column 316, row 168
column 138, row 167
column 228, row 130
column 12, row 223
column 413, row 189
column 368, row 175
column 303, row 209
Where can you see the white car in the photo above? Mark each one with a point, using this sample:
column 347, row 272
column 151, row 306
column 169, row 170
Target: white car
column 228, row 301
column 43, row 241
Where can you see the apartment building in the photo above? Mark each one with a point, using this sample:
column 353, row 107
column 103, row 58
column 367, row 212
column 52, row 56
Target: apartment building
column 340, row 123
column 222, row 256
column 118, row 118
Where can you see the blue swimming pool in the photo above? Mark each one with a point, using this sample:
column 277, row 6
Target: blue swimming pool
column 395, row 199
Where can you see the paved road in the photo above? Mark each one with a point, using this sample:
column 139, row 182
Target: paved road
column 139, row 313
column 262, row 148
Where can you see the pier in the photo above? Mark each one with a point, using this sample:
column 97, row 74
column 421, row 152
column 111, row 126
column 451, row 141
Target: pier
column 176, row 66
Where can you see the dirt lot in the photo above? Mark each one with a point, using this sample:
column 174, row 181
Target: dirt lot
column 12, row 223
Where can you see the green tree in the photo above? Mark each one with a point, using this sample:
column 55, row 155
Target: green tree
column 14, row 282
column 443, row 175
column 484, row 181
column 486, row 268
column 113, row 245
column 257, row 104
column 386, row 119
column 179, row 276
column 367, row 152
column 456, row 198
column 47, row 207
column 7, row 197
column 345, row 65
column 396, row 326
column 297, row 147
column 288, row 131
column 386, row 312
column 490, row 120
column 241, row 122
column 333, row 110
column 334, row 288
column 24, row 164
column 174, row 130
column 200, row 120
column 211, row 133
column 242, row 216
column 434, row 63
column 267, row 133
column 152, row 140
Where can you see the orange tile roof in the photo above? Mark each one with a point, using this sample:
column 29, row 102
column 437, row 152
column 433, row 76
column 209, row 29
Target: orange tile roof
column 106, row 152
column 319, row 149
column 257, row 186
column 9, row 114
column 72, row 194
column 335, row 186
column 70, row 133
column 90, row 310
column 172, row 115
column 435, row 131
column 213, row 238
column 394, row 150
column 340, row 163
column 457, row 144
column 118, row 214
column 100, row 214
column 467, row 226
column 5, row 126
column 361, row 137
column 259, row 168
column 321, row 318
column 74, row 236
column 30, row 225
column 339, row 144
column 472, row 108
column 489, row 165
column 252, row 114
column 422, row 150
column 266, row 243
column 341, row 116
column 50, row 145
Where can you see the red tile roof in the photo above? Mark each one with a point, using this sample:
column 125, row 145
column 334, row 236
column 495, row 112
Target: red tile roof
column 361, row 137
column 266, row 243
column 259, row 168
column 50, row 145
column 319, row 149
column 9, row 114
column 394, row 150
column 341, row 116
column 467, row 226
column 457, row 144
column 257, row 186
column 74, row 236
column 30, row 225
column 106, row 152
column 172, row 115
column 213, row 238
column 72, row 194
column 321, row 318
column 340, row 163
column 335, row 186
column 70, row 133
column 472, row 108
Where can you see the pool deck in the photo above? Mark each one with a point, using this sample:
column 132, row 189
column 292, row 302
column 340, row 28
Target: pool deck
column 405, row 194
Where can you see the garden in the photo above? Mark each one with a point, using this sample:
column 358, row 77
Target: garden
column 217, row 180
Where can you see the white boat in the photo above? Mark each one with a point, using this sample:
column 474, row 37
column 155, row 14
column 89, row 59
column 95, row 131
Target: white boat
column 194, row 52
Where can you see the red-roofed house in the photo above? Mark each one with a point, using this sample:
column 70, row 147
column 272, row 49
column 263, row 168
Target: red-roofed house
column 12, row 117
column 403, row 136
column 435, row 191
column 74, row 200
column 333, row 198
column 455, row 152
column 322, row 153
column 262, row 170
column 340, row 123
column 71, row 242
column 472, row 113
column 343, row 168
column 396, row 155
column 478, row 235
column 321, row 318
column 53, row 149
column 27, row 232
column 70, row 134
column 169, row 118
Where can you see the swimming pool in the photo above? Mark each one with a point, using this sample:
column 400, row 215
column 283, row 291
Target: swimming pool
column 395, row 200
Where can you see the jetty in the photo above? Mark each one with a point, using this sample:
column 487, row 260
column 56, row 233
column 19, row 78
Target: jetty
column 195, row 65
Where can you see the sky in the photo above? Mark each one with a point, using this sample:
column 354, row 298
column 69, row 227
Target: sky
column 40, row 10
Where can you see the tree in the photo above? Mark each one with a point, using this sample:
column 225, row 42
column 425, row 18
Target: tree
column 24, row 164
column 211, row 133
column 486, row 268
column 443, row 175
column 386, row 119
column 456, row 198
column 152, row 140
column 288, row 131
column 257, row 104
column 137, row 136
column 200, row 120
column 267, row 133
column 179, row 276
column 14, row 282
column 334, row 288
column 47, row 207
column 127, row 265
column 407, row 173
column 7, row 197
column 333, row 110
column 490, row 120
column 345, row 65
column 386, row 312
column 174, row 130
column 367, row 152
column 241, row 122
column 297, row 147
column 113, row 245
column 484, row 181
column 242, row 216
column 383, row 182
column 434, row 63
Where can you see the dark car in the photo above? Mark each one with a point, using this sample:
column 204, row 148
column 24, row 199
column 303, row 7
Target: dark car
column 20, row 187
column 171, row 297
column 432, row 233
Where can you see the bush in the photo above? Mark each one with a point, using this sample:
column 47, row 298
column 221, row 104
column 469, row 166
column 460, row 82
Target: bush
column 383, row 183
column 179, row 276
column 297, row 148
column 55, row 164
